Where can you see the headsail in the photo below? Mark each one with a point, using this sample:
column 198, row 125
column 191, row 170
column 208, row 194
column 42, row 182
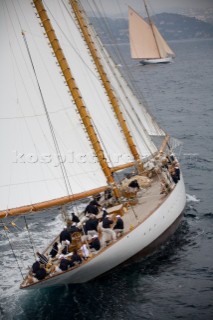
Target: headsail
column 163, row 46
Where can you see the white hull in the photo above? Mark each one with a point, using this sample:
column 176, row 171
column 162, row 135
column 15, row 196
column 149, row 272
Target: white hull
column 132, row 243
column 156, row 61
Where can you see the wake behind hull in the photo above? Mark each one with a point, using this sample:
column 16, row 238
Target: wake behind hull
column 142, row 237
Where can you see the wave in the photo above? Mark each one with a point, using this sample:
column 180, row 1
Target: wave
column 208, row 214
column 191, row 198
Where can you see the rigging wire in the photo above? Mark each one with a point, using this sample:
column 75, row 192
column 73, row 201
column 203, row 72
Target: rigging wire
column 60, row 158
column 7, row 236
column 63, row 169
column 23, row 82
column 30, row 237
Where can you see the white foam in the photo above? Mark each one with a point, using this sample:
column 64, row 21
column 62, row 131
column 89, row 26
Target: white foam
column 191, row 198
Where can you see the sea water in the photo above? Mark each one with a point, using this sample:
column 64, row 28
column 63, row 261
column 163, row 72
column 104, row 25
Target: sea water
column 176, row 281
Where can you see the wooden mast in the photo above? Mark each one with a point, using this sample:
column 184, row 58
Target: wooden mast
column 106, row 82
column 74, row 91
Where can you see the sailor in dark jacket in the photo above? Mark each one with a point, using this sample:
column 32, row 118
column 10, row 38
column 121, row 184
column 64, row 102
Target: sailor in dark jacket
column 134, row 184
column 119, row 223
column 75, row 218
column 76, row 257
column 54, row 250
column 65, row 235
column 36, row 266
column 119, row 226
column 65, row 264
column 40, row 273
column 65, row 249
column 73, row 228
column 105, row 213
column 92, row 207
column 177, row 171
column 174, row 177
column 91, row 225
column 95, row 243
column 106, row 229
column 107, row 222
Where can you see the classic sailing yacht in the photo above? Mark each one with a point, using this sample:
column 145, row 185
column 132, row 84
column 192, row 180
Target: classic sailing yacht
column 71, row 123
column 146, row 42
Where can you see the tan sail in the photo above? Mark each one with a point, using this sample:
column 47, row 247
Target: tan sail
column 146, row 42
column 163, row 46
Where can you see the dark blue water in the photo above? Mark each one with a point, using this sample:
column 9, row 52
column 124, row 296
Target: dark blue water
column 176, row 282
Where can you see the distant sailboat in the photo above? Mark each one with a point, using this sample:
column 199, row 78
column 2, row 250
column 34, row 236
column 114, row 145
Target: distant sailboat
column 146, row 42
column 69, row 123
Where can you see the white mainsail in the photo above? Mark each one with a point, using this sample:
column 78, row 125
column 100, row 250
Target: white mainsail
column 30, row 172
column 128, row 101
column 88, row 80
column 146, row 42
column 140, row 123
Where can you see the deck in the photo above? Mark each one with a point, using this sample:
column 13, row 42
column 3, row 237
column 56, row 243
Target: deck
column 148, row 200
